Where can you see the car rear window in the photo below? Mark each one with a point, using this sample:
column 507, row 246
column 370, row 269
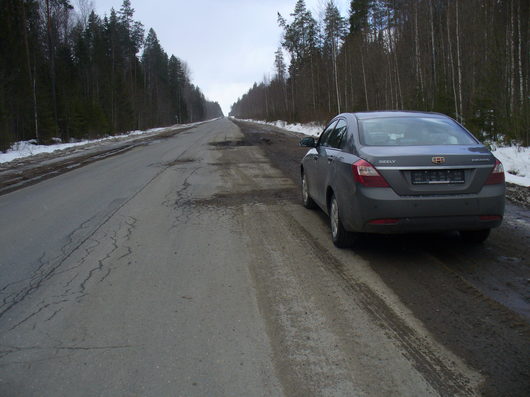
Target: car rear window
column 412, row 131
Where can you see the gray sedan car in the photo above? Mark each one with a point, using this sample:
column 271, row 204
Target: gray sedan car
column 400, row 172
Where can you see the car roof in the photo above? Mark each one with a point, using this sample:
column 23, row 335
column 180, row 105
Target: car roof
column 395, row 113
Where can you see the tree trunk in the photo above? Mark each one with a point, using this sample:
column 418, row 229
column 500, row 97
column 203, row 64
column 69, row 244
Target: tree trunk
column 418, row 55
column 451, row 64
column 364, row 75
column 433, row 61
column 520, row 55
column 351, row 77
column 512, row 61
column 35, row 111
column 459, row 64
column 313, row 95
column 444, row 56
column 393, row 48
column 52, row 61
column 31, row 76
column 266, row 104
column 335, row 77
column 392, row 90
column 345, row 72
column 293, row 110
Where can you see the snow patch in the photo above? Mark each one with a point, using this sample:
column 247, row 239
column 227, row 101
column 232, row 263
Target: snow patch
column 30, row 148
column 310, row 129
column 516, row 162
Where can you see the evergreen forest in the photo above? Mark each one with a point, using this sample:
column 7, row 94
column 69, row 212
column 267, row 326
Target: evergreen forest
column 71, row 74
column 468, row 59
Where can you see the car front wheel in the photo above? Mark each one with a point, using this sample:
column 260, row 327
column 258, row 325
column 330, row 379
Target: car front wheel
column 307, row 200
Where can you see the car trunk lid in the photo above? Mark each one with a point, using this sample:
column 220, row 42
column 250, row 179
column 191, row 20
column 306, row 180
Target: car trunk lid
column 420, row 170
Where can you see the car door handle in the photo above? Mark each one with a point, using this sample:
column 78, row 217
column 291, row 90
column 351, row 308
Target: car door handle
column 330, row 159
column 315, row 158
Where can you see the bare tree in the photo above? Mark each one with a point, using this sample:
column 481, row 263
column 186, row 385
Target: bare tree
column 84, row 8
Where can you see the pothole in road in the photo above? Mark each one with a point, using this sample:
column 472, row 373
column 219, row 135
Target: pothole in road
column 234, row 199
column 179, row 161
column 229, row 144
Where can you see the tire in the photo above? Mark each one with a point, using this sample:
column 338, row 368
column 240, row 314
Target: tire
column 306, row 198
column 475, row 236
column 339, row 236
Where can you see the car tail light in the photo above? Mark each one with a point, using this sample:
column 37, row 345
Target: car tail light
column 388, row 221
column 497, row 174
column 366, row 174
column 490, row 217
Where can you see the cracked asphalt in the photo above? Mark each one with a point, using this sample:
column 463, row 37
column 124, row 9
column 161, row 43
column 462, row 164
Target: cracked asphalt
column 186, row 266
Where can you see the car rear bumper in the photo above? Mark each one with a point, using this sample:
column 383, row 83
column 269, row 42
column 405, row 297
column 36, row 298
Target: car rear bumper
column 432, row 224
column 381, row 210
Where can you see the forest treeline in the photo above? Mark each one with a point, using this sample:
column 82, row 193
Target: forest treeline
column 73, row 74
column 468, row 59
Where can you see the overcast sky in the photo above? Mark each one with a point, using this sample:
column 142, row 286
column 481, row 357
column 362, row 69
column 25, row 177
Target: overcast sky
column 227, row 44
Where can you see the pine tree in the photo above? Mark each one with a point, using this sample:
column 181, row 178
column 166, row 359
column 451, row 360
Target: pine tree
column 70, row 76
column 334, row 32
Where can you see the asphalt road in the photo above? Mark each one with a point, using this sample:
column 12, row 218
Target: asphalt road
column 188, row 267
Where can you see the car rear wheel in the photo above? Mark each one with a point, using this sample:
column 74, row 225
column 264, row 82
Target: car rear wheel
column 308, row 201
column 475, row 236
column 340, row 237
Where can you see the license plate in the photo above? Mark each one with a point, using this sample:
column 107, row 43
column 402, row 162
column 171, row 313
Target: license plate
column 431, row 177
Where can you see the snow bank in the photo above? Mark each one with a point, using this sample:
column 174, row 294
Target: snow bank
column 516, row 162
column 311, row 129
column 31, row 148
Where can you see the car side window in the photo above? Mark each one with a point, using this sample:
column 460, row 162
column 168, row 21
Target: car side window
column 324, row 137
column 337, row 138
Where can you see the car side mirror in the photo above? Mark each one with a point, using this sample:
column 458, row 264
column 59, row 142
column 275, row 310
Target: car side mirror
column 308, row 141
